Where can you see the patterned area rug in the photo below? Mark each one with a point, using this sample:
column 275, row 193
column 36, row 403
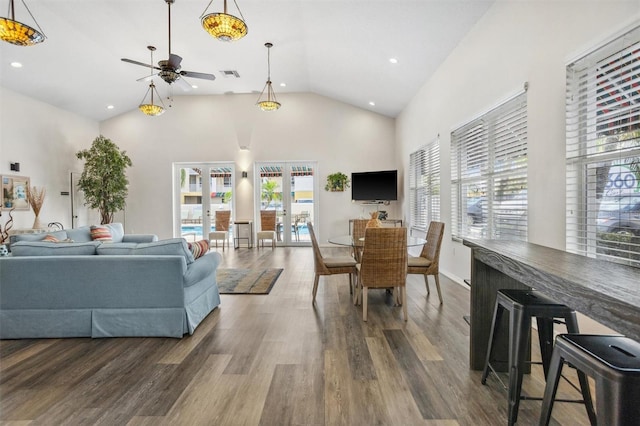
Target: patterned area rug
column 247, row 281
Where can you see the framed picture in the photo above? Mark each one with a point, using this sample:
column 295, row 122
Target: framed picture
column 14, row 193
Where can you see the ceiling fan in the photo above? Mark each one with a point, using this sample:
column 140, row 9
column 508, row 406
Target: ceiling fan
column 169, row 70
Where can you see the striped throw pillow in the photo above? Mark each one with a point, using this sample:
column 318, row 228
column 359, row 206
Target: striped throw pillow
column 199, row 248
column 101, row 233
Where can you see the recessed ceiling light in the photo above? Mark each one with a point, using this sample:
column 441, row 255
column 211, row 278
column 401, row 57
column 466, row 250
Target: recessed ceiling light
column 16, row 64
column 110, row 107
column 283, row 84
column 393, row 60
column 193, row 86
column 372, row 103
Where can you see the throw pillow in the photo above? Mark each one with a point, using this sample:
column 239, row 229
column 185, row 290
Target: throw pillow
column 101, row 233
column 199, row 248
column 50, row 239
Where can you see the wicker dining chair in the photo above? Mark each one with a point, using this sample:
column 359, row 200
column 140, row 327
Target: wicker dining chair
column 222, row 220
column 428, row 262
column 267, row 228
column 359, row 225
column 330, row 265
column 383, row 264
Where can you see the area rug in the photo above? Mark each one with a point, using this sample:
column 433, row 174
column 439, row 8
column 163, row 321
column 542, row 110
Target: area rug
column 247, row 281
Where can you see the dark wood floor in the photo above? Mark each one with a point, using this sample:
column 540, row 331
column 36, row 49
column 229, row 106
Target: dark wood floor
column 273, row 360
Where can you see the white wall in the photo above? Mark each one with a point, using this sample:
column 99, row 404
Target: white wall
column 44, row 140
column 515, row 42
column 308, row 127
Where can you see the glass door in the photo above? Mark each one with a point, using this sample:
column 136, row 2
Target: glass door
column 288, row 188
column 201, row 189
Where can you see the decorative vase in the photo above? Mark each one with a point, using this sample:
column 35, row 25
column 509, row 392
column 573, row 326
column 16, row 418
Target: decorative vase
column 36, row 223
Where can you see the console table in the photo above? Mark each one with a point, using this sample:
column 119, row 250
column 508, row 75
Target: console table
column 605, row 291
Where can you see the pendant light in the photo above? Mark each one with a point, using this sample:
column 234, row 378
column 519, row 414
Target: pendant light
column 151, row 109
column 17, row 33
column 223, row 26
column 270, row 103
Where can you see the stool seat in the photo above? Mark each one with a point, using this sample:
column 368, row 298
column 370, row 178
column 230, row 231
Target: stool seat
column 532, row 299
column 616, row 352
column 614, row 364
column 522, row 306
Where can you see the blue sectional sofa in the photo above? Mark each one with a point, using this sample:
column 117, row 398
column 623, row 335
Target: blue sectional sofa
column 109, row 289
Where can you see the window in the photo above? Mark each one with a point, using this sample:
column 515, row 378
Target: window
column 603, row 152
column 489, row 174
column 424, row 186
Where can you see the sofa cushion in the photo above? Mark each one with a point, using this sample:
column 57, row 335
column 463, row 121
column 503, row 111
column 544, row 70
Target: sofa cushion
column 80, row 235
column 116, row 249
column 59, row 235
column 117, row 231
column 199, row 248
column 101, row 233
column 170, row 247
column 39, row 248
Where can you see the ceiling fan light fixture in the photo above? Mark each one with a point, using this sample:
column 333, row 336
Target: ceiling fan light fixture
column 17, row 33
column 151, row 109
column 270, row 103
column 223, row 26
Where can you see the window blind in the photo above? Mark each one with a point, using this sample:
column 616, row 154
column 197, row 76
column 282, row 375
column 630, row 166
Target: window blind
column 489, row 174
column 424, row 186
column 603, row 152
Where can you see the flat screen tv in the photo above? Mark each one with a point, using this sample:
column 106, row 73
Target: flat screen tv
column 374, row 186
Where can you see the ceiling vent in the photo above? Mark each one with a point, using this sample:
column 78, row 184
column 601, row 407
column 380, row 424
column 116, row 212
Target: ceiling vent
column 230, row 74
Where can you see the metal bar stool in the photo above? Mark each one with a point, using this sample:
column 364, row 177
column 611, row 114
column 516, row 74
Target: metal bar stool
column 613, row 362
column 522, row 305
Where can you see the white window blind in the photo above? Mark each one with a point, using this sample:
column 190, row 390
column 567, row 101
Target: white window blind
column 603, row 152
column 489, row 174
column 424, row 186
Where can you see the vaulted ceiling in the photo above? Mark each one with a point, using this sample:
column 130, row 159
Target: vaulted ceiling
column 338, row 49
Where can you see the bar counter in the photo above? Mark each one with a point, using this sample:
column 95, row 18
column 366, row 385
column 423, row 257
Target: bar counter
column 605, row 291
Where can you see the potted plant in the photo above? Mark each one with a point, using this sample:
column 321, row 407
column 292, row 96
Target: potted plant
column 337, row 182
column 103, row 180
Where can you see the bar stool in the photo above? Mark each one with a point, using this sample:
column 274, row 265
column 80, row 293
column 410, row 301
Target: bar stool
column 522, row 305
column 613, row 362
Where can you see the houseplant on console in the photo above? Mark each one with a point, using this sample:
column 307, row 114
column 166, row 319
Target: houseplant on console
column 103, row 180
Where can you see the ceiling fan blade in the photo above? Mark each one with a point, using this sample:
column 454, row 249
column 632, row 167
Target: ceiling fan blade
column 131, row 61
column 174, row 61
column 183, row 84
column 192, row 74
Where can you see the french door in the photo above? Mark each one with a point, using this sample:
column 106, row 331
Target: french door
column 199, row 190
column 289, row 188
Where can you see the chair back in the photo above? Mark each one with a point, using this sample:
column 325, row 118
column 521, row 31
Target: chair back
column 320, row 267
column 359, row 225
column 431, row 250
column 223, row 217
column 267, row 220
column 384, row 257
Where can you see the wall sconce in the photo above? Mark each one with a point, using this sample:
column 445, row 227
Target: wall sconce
column 15, row 167
column 244, row 174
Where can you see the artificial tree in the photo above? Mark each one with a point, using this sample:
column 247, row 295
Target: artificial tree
column 104, row 181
